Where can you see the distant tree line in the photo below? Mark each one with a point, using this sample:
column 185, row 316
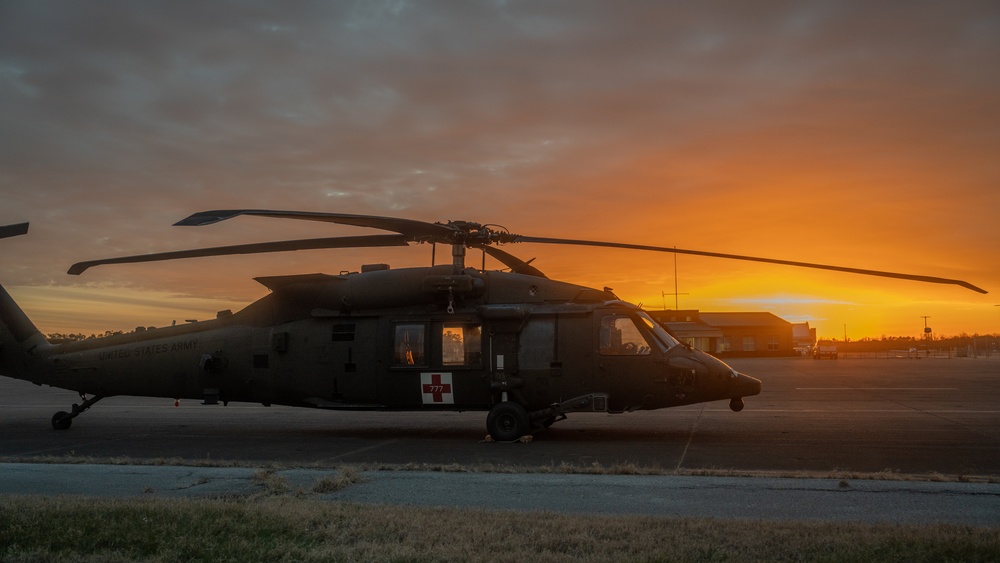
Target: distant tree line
column 59, row 337
column 980, row 342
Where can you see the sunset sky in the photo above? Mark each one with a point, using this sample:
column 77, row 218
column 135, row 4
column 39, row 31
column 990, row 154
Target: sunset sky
column 860, row 134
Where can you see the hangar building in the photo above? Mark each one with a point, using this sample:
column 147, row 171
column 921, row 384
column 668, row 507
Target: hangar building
column 730, row 334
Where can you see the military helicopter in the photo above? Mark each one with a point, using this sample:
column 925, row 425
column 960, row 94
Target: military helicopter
column 527, row 349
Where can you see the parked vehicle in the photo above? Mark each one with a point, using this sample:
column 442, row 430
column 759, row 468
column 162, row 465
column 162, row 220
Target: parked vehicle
column 825, row 349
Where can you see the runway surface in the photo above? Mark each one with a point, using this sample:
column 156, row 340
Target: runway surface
column 908, row 416
column 923, row 417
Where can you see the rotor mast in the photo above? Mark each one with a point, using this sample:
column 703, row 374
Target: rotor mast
column 458, row 257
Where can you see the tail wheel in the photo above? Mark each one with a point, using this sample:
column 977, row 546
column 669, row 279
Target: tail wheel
column 507, row 421
column 61, row 420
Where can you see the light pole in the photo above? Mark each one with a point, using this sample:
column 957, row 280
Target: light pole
column 927, row 334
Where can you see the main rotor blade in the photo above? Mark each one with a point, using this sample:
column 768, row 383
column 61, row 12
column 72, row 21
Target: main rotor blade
column 13, row 230
column 515, row 264
column 416, row 230
column 253, row 248
column 896, row 275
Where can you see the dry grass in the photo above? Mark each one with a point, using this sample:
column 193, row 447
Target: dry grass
column 332, row 483
column 269, row 483
column 626, row 468
column 279, row 523
column 288, row 528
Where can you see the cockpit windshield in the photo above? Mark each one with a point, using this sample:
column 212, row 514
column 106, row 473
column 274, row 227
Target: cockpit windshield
column 662, row 335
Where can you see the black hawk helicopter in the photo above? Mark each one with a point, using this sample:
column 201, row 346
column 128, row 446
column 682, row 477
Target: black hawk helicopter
column 525, row 348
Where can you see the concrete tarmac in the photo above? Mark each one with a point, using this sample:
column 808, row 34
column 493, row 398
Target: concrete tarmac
column 843, row 417
column 907, row 416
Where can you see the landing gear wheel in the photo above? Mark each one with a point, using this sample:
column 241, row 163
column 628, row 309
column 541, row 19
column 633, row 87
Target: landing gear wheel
column 61, row 420
column 507, row 421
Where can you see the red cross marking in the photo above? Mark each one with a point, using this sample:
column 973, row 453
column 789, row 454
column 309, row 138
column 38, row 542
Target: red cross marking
column 437, row 388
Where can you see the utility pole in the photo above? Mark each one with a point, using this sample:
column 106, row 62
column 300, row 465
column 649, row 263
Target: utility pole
column 676, row 306
column 664, row 294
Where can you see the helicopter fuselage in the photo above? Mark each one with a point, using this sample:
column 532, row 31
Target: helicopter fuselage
column 526, row 348
column 406, row 339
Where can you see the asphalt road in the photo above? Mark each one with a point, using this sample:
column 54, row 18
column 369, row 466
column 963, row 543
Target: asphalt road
column 908, row 416
column 744, row 498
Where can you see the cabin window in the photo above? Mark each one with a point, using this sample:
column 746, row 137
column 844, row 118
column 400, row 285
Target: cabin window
column 749, row 344
column 772, row 344
column 409, row 345
column 461, row 344
column 621, row 337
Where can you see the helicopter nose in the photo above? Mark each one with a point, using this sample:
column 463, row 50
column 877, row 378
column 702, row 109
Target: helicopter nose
column 744, row 386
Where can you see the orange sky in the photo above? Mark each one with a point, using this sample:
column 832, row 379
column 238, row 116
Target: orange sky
column 833, row 132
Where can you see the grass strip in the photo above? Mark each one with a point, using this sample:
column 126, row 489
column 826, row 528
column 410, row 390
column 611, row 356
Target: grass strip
column 290, row 528
column 594, row 468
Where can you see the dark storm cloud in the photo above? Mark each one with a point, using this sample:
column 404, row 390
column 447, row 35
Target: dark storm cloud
column 200, row 96
column 119, row 118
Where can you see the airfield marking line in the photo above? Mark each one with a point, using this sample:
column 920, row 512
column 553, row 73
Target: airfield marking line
column 940, row 415
column 877, row 389
column 904, row 409
column 910, row 410
column 694, row 428
column 364, row 449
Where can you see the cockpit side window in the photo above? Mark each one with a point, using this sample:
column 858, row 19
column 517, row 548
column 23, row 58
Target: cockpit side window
column 621, row 337
column 665, row 338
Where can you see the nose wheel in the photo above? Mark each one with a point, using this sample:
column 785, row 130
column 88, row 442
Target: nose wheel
column 62, row 420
